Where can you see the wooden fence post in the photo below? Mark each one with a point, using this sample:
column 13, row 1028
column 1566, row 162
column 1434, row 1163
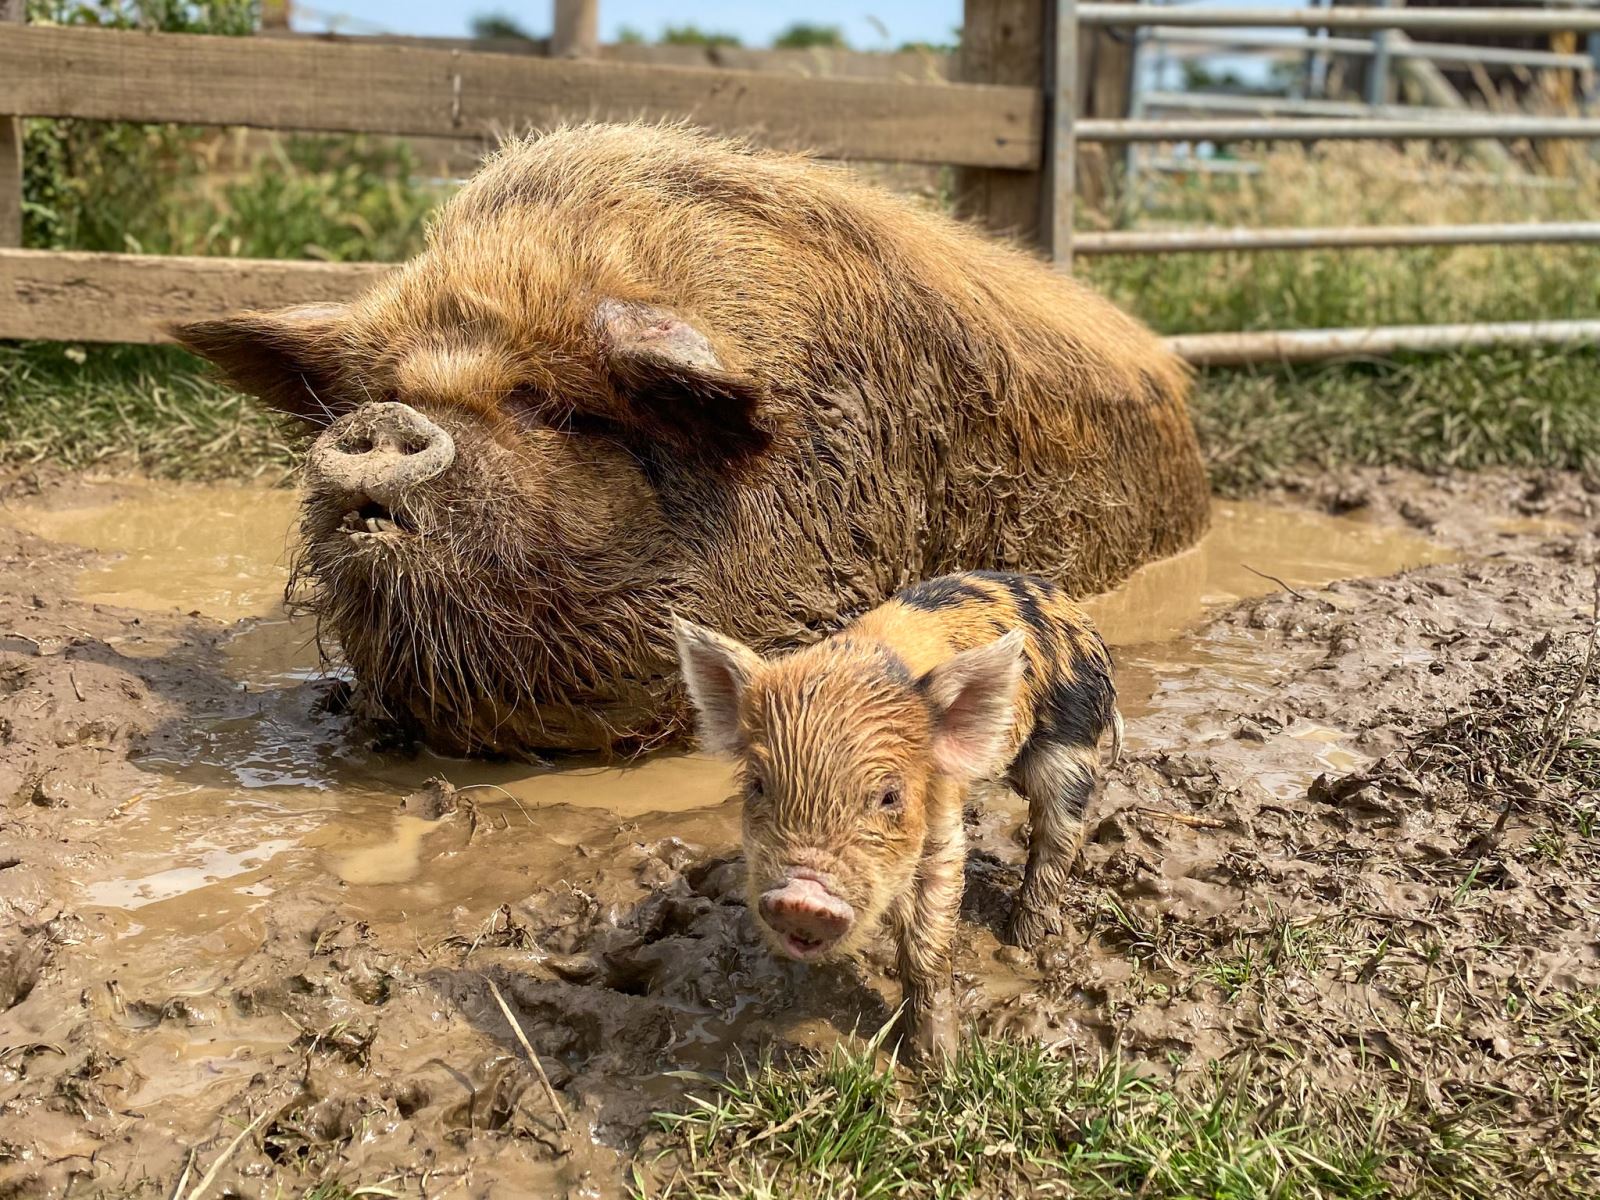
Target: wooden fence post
column 576, row 32
column 1037, row 44
column 275, row 14
column 1060, row 141
column 11, row 154
column 1002, row 41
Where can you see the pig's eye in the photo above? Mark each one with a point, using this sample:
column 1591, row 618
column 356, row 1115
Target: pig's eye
column 523, row 407
column 890, row 797
column 754, row 789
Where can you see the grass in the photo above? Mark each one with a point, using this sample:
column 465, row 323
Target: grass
column 1354, row 184
column 110, row 406
column 1005, row 1119
column 1519, row 408
column 1008, row 1119
column 1281, row 1121
column 1505, row 408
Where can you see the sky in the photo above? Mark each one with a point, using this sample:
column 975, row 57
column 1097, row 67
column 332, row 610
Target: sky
column 867, row 24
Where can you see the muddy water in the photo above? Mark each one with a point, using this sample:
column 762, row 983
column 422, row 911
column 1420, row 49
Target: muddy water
column 1247, row 544
column 219, row 550
column 239, row 808
column 1251, row 550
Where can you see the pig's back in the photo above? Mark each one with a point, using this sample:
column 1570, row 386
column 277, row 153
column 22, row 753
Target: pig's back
column 1067, row 692
column 956, row 404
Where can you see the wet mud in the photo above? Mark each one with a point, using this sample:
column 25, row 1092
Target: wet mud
column 225, row 908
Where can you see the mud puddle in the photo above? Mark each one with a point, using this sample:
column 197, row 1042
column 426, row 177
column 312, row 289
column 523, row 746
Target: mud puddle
column 237, row 892
column 222, row 552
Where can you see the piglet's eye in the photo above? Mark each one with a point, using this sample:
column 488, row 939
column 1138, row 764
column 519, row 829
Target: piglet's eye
column 890, row 797
column 754, row 789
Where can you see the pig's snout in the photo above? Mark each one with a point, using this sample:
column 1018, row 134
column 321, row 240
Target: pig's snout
column 806, row 916
column 380, row 452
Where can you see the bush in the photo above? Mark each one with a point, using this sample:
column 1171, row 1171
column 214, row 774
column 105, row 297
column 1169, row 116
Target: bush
column 160, row 189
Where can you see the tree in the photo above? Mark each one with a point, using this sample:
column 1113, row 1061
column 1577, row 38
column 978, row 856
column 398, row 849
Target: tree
column 803, row 35
column 693, row 35
column 497, row 26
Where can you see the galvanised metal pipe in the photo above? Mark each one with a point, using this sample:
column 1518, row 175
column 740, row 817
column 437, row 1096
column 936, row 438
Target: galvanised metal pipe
column 1498, row 20
column 1445, row 52
column 1466, row 179
column 1378, row 68
column 1184, row 241
column 1271, row 106
column 1319, row 345
column 1292, row 129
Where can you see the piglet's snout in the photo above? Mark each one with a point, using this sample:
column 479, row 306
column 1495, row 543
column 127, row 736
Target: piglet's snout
column 806, row 913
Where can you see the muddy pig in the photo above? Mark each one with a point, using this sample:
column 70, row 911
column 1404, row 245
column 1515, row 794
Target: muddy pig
column 638, row 370
column 857, row 753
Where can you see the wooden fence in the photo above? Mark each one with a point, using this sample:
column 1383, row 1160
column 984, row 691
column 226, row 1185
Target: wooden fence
column 1028, row 93
column 991, row 127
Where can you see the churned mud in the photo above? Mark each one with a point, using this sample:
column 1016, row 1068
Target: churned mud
column 223, row 910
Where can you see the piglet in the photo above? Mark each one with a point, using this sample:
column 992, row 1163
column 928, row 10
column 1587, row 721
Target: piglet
column 857, row 754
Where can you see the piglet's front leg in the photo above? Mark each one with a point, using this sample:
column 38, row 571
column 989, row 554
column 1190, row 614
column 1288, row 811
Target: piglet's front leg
column 926, row 929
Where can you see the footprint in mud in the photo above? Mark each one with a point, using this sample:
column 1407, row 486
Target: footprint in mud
column 649, row 962
column 21, row 965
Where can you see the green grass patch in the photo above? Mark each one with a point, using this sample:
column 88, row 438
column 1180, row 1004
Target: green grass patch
column 1010, row 1120
column 148, row 407
column 1506, row 408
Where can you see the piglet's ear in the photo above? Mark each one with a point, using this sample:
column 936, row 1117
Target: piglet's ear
column 288, row 358
column 717, row 670
column 676, row 387
column 974, row 696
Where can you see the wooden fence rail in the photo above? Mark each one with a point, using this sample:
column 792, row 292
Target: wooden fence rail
column 312, row 86
column 70, row 295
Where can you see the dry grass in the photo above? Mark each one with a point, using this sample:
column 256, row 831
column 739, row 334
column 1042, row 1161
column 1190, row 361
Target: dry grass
column 1514, row 407
column 1353, row 184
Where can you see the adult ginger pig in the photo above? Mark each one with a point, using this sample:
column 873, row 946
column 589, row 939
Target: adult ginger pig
column 639, row 370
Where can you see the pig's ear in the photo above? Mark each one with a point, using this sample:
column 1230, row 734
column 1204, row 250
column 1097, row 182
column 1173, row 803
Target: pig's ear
column 676, row 387
column 974, row 697
column 717, row 670
column 288, row 358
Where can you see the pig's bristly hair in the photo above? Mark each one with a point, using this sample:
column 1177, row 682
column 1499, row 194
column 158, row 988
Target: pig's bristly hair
column 858, row 392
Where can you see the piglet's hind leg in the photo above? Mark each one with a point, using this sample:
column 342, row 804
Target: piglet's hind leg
column 1058, row 780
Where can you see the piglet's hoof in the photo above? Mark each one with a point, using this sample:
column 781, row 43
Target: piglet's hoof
column 930, row 1037
column 1029, row 926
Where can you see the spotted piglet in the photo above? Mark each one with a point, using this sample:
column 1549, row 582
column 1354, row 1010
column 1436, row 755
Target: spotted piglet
column 857, row 753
